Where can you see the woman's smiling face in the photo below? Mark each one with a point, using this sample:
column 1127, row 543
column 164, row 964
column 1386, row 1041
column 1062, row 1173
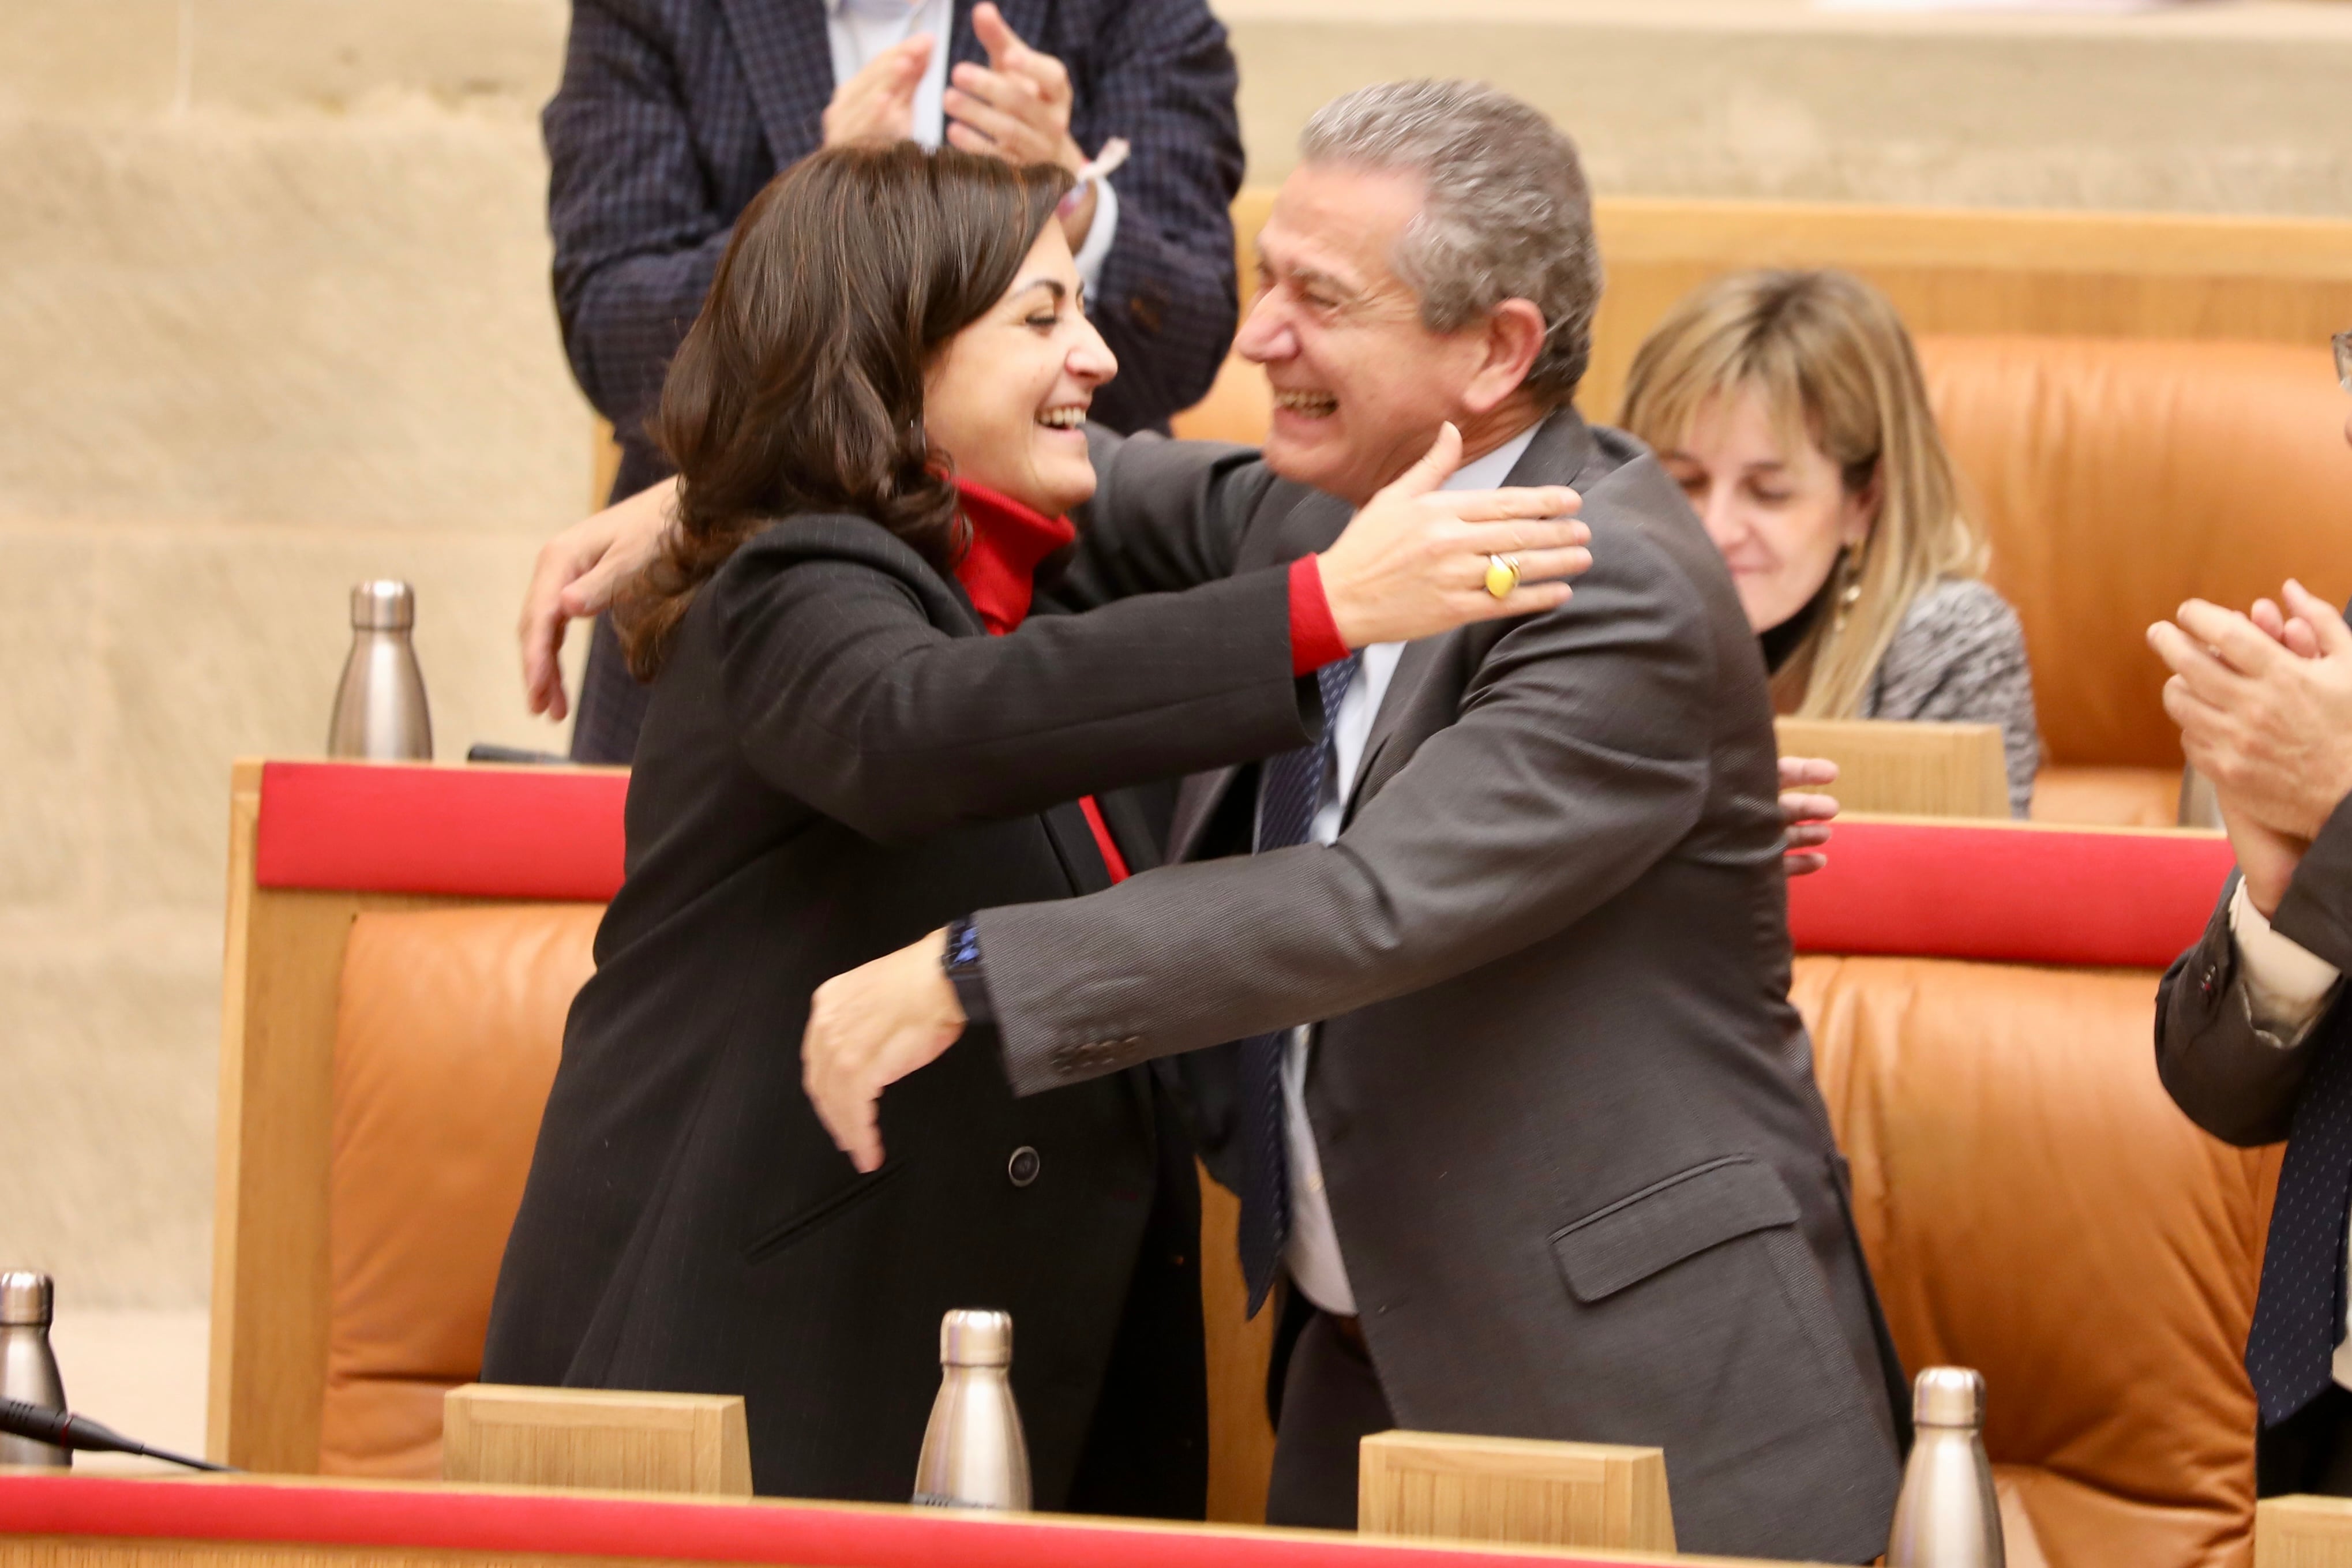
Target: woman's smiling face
column 1006, row 399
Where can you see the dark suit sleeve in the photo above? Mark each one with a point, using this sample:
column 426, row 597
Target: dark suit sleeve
column 1159, row 73
column 844, row 694
column 1165, row 516
column 1580, row 758
column 638, row 237
column 2235, row 1081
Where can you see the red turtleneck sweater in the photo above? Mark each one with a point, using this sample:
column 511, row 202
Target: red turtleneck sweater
column 999, row 572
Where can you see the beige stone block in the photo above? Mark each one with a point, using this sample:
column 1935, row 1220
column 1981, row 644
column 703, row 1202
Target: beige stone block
column 314, row 319
column 111, row 1059
column 2228, row 110
column 52, row 723
column 229, row 642
column 87, row 56
column 499, row 56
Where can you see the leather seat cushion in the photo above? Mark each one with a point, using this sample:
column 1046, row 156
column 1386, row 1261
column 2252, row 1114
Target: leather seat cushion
column 449, row 1026
column 2033, row 1206
column 2118, row 477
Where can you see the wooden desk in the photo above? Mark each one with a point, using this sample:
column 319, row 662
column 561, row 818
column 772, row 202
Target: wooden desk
column 1907, row 769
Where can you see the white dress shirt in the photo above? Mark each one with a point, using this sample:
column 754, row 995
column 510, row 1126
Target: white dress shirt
column 1313, row 1251
column 2288, row 987
column 861, row 29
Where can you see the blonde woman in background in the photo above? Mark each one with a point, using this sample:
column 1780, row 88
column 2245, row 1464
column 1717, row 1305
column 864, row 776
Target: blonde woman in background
column 1789, row 407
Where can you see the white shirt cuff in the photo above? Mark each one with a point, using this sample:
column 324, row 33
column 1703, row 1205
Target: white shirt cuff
column 2287, row 985
column 1099, row 234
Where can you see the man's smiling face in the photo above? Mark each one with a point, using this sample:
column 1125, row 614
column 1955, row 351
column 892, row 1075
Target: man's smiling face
column 1360, row 386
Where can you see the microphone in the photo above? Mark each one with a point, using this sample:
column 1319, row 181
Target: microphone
column 63, row 1429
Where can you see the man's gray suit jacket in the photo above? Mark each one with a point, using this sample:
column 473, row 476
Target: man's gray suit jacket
column 1584, row 1181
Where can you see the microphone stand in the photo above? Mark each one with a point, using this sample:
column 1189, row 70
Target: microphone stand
column 63, row 1429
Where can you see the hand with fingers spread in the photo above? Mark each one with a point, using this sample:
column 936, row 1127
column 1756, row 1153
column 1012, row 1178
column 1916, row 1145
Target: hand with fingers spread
column 1804, row 814
column 2264, row 706
column 868, row 1028
column 1415, row 561
column 1017, row 108
column 878, row 104
column 579, row 573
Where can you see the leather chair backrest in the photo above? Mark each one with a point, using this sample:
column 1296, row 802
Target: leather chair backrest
column 449, row 1026
column 2118, row 477
column 2033, row 1206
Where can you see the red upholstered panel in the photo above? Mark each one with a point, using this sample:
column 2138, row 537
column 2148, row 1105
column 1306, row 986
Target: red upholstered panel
column 1983, row 891
column 808, row 1535
column 2005, row 893
column 539, row 833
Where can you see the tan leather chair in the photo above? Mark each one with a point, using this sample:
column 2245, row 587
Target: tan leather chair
column 2033, row 1206
column 446, row 1037
column 2118, row 477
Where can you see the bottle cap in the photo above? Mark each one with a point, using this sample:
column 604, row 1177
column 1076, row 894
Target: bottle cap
column 1948, row 1396
column 25, row 1299
column 385, row 605
column 970, row 1337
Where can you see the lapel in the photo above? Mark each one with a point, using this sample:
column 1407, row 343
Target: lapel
column 1305, row 527
column 786, row 57
column 1558, row 456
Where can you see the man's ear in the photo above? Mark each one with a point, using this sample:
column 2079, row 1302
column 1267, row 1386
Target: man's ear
column 1514, row 336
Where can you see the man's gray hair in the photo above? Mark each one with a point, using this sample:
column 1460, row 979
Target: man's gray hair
column 1508, row 216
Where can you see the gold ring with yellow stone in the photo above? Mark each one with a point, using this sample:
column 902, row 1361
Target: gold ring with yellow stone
column 1502, row 576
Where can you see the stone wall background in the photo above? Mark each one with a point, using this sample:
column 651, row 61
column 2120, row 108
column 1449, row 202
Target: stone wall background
column 274, row 317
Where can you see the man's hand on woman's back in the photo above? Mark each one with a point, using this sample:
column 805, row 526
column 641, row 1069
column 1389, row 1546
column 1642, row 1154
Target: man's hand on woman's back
column 578, row 573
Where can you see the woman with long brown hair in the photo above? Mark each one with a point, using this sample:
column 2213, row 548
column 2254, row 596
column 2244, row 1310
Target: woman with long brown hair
column 1790, row 408
column 858, row 731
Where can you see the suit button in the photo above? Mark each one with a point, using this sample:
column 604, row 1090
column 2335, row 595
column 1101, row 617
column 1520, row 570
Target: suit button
column 1022, row 1168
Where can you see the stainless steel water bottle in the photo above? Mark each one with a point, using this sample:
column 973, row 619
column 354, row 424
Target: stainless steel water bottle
column 28, row 1370
column 380, row 710
column 1946, row 1515
column 973, row 1453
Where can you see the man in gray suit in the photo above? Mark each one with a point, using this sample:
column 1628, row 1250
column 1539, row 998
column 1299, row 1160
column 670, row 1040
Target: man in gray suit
column 1492, row 1032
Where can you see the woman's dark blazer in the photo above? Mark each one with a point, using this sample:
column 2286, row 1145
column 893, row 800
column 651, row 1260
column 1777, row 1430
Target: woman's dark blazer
column 830, row 769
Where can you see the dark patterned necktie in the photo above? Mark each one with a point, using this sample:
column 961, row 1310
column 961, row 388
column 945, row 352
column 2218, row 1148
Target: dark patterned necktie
column 2299, row 1311
column 1288, row 797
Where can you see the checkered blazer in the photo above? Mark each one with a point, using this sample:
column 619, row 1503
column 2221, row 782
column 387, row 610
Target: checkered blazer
column 672, row 114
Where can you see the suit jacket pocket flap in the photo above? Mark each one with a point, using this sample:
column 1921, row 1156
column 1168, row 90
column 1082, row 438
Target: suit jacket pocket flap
column 1663, row 1223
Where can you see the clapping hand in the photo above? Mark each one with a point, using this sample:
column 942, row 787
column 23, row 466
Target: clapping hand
column 2264, row 705
column 1016, row 108
column 878, row 104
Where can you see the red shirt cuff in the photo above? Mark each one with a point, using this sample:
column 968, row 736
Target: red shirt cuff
column 1314, row 634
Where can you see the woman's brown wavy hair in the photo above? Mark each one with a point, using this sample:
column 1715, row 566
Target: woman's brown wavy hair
column 800, row 386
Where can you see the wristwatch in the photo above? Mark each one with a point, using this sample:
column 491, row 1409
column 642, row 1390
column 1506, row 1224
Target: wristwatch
column 966, row 972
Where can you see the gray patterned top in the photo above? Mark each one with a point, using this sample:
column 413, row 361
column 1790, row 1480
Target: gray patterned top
column 1958, row 658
